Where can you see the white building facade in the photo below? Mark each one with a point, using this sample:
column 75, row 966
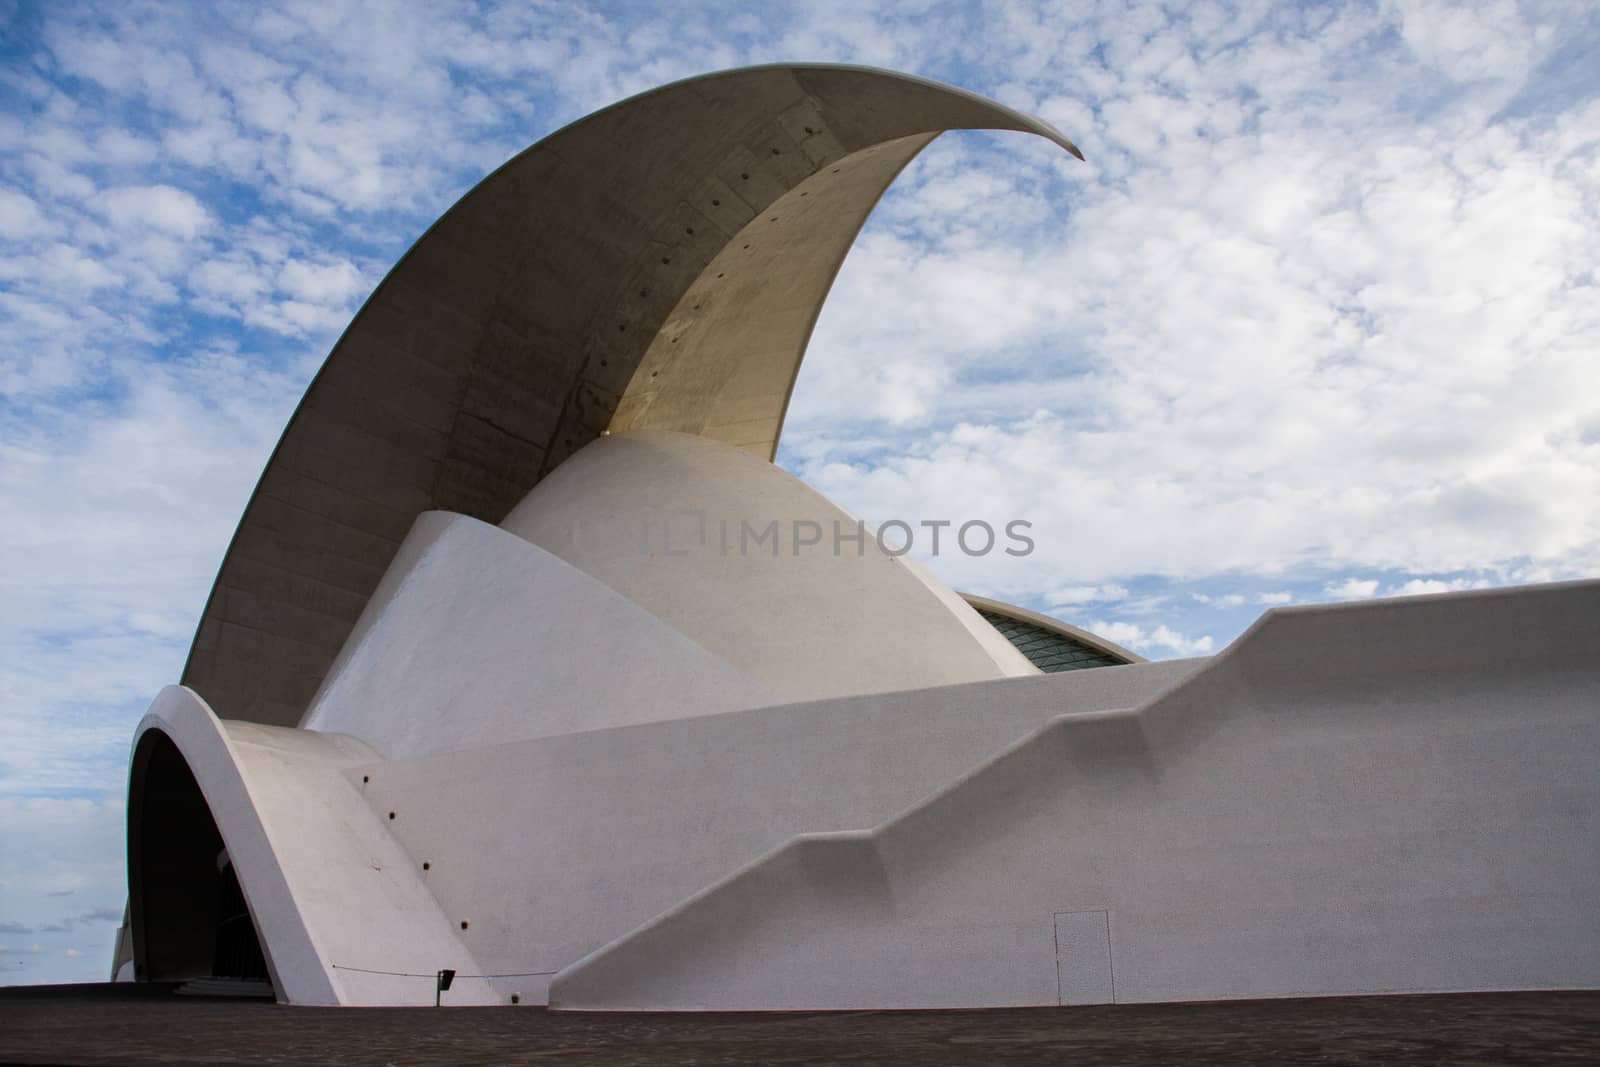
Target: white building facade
column 524, row 664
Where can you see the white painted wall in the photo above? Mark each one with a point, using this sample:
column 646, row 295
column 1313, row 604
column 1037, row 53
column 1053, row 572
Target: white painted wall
column 590, row 762
column 555, row 846
column 1377, row 797
column 1392, row 796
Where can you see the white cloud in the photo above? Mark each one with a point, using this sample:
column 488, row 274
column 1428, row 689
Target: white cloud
column 1472, row 42
column 230, row 280
column 114, row 530
column 1417, row 586
column 1156, row 640
column 65, row 266
column 335, row 282
column 1275, row 599
column 1365, row 340
column 159, row 207
column 1352, row 589
column 21, row 950
column 61, row 884
column 20, row 217
column 1085, row 594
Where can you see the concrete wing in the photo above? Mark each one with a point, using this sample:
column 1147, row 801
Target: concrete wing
column 657, row 265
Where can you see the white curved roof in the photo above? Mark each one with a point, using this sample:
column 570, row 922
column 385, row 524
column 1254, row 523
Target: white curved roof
column 657, row 265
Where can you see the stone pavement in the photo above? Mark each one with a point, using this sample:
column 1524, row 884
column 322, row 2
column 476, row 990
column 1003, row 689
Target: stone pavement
column 56, row 1027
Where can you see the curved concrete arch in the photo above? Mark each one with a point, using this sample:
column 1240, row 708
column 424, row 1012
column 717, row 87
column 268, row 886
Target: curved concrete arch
column 305, row 845
column 657, row 265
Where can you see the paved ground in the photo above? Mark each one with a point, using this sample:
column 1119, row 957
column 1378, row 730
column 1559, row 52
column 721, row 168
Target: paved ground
column 1499, row 1028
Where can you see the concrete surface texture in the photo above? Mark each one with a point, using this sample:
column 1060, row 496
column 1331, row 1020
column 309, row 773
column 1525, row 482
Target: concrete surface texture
column 1359, row 798
column 657, row 265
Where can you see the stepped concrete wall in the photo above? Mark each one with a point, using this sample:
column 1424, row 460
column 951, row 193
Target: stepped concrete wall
column 1392, row 796
column 550, row 848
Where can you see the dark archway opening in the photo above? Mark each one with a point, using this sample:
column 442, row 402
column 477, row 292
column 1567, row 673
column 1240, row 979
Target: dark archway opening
column 187, row 910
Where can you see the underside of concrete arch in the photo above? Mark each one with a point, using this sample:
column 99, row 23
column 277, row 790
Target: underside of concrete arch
column 188, row 912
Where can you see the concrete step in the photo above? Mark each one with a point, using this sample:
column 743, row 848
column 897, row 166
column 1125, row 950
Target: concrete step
column 227, row 987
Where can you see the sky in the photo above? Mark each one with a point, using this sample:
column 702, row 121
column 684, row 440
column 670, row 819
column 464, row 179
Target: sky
column 1317, row 320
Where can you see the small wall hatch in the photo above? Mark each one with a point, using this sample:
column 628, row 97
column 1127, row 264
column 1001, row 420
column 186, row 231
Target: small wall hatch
column 1083, row 957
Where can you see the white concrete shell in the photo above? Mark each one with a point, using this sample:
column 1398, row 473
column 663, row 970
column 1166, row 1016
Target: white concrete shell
column 329, row 889
column 657, row 265
column 460, row 648
column 601, row 755
column 761, row 569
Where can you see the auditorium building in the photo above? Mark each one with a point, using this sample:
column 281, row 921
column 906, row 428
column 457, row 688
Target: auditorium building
column 445, row 711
